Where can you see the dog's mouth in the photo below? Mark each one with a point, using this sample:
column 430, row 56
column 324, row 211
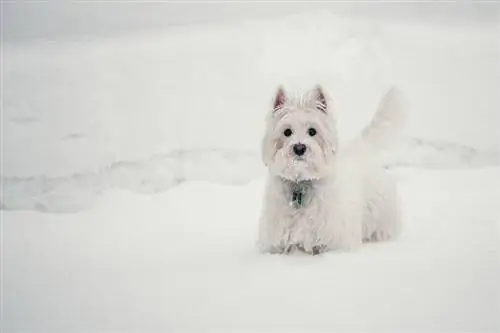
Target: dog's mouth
column 299, row 159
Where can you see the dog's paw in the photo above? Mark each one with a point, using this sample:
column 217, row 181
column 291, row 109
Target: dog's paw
column 281, row 249
column 314, row 250
column 381, row 236
column 318, row 249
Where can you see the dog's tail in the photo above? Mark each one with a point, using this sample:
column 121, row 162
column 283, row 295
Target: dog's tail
column 386, row 126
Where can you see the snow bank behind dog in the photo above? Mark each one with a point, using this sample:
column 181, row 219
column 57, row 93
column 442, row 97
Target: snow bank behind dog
column 148, row 110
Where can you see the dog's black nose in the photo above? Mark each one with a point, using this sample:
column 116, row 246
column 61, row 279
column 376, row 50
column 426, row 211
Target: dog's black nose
column 299, row 149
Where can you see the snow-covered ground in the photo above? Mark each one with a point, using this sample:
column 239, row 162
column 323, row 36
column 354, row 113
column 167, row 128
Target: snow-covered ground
column 123, row 152
column 184, row 260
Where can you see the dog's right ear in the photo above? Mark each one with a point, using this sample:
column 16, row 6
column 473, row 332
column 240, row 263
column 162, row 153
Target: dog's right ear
column 279, row 98
column 320, row 99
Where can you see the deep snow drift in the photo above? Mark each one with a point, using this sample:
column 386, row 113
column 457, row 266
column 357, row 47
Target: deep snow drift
column 149, row 145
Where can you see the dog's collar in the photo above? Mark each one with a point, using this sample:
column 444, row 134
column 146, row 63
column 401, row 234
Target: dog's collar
column 297, row 195
column 299, row 192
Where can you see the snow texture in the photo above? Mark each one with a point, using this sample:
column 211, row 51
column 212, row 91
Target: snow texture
column 185, row 260
column 132, row 180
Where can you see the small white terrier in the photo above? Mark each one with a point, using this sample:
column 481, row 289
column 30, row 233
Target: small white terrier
column 320, row 197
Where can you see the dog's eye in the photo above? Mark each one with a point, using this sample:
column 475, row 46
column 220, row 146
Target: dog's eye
column 311, row 131
column 287, row 132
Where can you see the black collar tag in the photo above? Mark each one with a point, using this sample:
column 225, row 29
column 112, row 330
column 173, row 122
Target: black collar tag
column 299, row 193
column 297, row 197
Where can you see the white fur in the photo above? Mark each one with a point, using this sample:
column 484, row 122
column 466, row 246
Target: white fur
column 350, row 197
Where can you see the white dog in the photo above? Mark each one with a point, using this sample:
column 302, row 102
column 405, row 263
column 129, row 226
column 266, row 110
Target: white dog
column 318, row 196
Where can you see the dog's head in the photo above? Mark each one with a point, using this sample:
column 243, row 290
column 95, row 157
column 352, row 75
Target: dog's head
column 300, row 140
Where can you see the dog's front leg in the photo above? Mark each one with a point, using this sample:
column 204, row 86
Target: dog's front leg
column 274, row 236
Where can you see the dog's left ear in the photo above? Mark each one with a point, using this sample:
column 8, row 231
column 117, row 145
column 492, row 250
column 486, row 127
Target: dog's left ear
column 320, row 99
column 279, row 98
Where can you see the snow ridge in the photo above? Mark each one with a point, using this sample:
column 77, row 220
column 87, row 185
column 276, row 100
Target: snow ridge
column 159, row 173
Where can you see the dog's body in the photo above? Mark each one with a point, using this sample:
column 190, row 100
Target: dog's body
column 319, row 197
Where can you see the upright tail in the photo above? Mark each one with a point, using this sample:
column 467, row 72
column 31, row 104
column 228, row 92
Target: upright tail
column 386, row 126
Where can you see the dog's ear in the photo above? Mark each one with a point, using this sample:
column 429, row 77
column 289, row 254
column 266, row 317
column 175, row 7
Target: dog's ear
column 320, row 100
column 279, row 98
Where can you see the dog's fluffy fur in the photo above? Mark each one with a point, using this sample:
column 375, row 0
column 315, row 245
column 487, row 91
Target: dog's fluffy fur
column 348, row 196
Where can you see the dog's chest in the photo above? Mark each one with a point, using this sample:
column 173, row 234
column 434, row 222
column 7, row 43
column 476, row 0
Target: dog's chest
column 302, row 205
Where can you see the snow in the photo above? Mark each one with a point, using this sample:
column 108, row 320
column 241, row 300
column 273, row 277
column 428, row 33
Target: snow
column 132, row 180
column 84, row 103
column 144, row 263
